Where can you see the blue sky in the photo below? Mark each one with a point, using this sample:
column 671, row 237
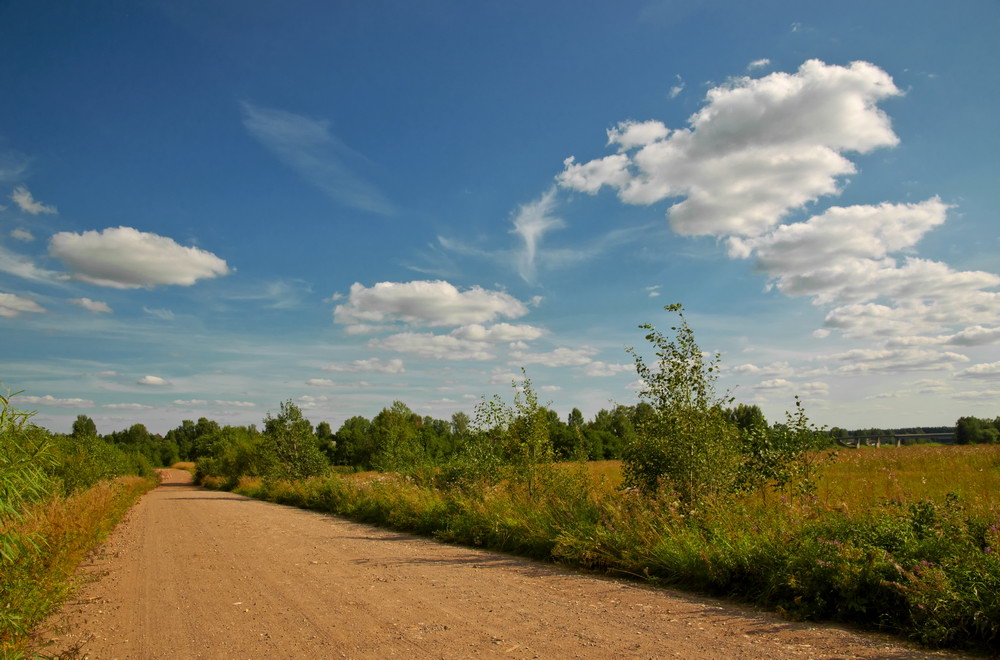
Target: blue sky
column 210, row 207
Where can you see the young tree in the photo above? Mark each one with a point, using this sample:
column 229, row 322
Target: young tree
column 290, row 441
column 684, row 442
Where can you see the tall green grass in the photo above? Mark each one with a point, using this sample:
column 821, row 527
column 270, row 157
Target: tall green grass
column 57, row 501
column 902, row 540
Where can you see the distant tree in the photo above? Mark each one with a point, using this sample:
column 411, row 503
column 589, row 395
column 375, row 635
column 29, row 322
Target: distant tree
column 84, row 427
column 968, row 430
column 395, row 436
column 460, row 425
column 354, row 443
column 289, row 439
column 747, row 416
column 325, row 440
column 575, row 418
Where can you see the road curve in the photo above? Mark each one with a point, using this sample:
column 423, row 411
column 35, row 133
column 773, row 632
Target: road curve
column 193, row 573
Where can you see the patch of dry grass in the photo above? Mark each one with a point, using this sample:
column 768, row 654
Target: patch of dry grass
column 64, row 530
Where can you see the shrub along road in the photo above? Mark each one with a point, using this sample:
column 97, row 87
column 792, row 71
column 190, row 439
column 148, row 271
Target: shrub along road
column 193, row 573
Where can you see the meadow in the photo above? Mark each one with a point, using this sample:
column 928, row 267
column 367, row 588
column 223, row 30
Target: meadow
column 897, row 539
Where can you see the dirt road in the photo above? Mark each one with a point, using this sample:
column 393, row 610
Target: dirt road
column 199, row 574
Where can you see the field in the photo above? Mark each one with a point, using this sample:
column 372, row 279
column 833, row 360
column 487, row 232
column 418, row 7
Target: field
column 901, row 540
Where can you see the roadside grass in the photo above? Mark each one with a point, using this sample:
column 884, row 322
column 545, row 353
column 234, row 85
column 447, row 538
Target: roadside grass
column 185, row 465
column 62, row 531
column 902, row 540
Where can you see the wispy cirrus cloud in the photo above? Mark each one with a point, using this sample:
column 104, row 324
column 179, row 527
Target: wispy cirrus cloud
column 317, row 155
column 531, row 222
column 27, row 203
column 54, row 402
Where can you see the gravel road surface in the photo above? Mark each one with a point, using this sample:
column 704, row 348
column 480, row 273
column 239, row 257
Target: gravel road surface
column 192, row 573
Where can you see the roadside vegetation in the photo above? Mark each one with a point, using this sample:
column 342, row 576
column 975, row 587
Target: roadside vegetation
column 59, row 497
column 684, row 488
column 706, row 495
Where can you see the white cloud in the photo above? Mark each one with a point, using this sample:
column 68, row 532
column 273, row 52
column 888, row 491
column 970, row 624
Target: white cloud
column 502, row 376
column 549, row 388
column 153, row 381
column 393, row 366
column 981, row 395
column 21, row 235
column 125, row 258
column 235, row 404
column 190, row 402
column 498, row 333
column 93, row 306
column 22, row 266
column 631, row 134
column 106, row 374
column 320, row 382
column 654, row 290
column 560, row 357
column 758, row 64
column 438, row 347
column 309, row 148
column 309, row 402
column 52, row 402
column 757, row 150
column 774, row 384
column 431, row 303
column 773, row 370
column 23, row 198
column 606, row 369
column 162, row 314
column 12, row 306
column 989, row 371
column 814, row 388
column 676, row 90
column 531, row 223
column 840, row 234
column 975, row 335
column 127, row 406
column 862, row 360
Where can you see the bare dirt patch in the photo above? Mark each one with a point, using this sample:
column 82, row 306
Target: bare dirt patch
column 193, row 573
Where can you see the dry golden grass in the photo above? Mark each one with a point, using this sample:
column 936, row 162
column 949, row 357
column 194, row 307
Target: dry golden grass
column 65, row 529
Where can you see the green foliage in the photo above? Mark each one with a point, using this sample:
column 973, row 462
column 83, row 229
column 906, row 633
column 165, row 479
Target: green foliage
column 973, row 431
column 25, row 458
column 926, row 568
column 81, row 462
column 355, row 445
column 507, row 442
column 395, row 437
column 234, row 452
column 781, row 456
column 685, row 443
column 49, row 516
column 291, row 446
column 84, row 427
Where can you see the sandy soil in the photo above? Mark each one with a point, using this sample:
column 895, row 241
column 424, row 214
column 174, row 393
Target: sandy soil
column 199, row 574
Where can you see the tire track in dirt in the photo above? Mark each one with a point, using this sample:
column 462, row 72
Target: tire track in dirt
column 192, row 573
